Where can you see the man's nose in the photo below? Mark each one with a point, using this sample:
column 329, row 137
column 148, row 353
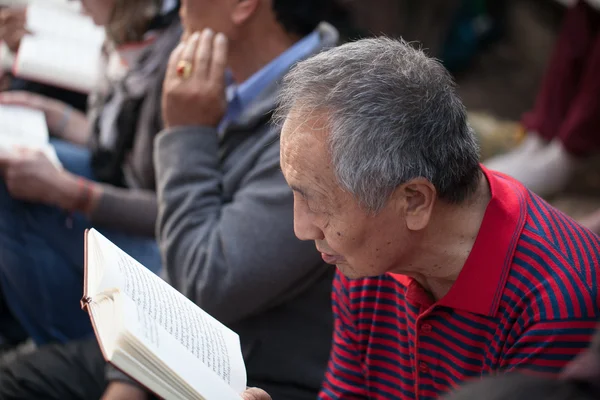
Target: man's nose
column 304, row 226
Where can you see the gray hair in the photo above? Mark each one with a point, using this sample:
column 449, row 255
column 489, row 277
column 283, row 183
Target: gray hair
column 393, row 115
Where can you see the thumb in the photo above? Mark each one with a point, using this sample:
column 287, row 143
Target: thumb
column 14, row 98
column 25, row 99
column 255, row 394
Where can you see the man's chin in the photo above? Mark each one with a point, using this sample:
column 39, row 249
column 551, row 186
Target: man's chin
column 348, row 271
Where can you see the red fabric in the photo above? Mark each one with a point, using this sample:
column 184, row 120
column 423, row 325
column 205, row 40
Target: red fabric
column 526, row 299
column 568, row 104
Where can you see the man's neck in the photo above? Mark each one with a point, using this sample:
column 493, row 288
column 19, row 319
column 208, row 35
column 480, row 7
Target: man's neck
column 449, row 240
column 256, row 50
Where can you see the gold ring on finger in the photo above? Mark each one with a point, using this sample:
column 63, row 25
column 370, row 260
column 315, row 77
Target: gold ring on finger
column 184, row 69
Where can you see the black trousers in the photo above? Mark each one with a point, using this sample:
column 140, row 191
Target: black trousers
column 74, row 371
column 77, row 371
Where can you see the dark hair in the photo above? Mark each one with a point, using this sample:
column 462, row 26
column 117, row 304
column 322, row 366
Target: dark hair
column 301, row 17
column 523, row 387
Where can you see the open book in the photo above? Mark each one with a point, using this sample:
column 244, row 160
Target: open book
column 25, row 127
column 63, row 49
column 44, row 59
column 46, row 19
column 66, row 4
column 153, row 333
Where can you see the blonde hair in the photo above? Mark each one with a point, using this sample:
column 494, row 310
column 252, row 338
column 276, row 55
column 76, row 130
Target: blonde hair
column 130, row 19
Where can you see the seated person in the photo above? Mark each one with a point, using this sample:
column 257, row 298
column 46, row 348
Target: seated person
column 447, row 271
column 226, row 214
column 580, row 380
column 564, row 126
column 109, row 184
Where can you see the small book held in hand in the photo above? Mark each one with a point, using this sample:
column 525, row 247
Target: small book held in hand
column 62, row 48
column 153, row 333
column 22, row 127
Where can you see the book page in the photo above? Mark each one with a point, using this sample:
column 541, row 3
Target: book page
column 67, row 4
column 180, row 370
column 50, row 21
column 25, row 127
column 201, row 335
column 50, row 61
column 14, row 3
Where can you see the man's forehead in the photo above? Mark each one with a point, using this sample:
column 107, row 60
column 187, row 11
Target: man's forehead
column 304, row 153
column 300, row 121
column 301, row 144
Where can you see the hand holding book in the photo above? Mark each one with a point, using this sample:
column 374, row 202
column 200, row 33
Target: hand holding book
column 31, row 176
column 255, row 394
column 62, row 120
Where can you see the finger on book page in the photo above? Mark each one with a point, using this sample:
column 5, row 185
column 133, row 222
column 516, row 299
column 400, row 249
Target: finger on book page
column 20, row 98
column 255, row 394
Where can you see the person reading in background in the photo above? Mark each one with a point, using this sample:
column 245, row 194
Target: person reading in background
column 107, row 180
column 563, row 129
column 225, row 222
column 446, row 271
column 12, row 30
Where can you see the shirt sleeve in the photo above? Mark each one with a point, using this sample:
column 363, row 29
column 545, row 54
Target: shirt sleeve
column 545, row 347
column 344, row 378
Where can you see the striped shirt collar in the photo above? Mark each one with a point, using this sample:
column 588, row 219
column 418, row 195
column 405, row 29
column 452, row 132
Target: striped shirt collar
column 482, row 280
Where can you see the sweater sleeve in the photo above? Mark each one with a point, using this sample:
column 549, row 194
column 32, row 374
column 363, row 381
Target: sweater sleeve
column 234, row 257
column 126, row 210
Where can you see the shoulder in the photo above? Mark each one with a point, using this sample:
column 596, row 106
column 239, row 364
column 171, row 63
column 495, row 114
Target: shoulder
column 555, row 270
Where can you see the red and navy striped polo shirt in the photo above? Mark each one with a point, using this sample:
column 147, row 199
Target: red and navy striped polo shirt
column 527, row 298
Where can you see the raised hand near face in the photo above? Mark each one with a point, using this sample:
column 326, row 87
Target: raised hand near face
column 194, row 86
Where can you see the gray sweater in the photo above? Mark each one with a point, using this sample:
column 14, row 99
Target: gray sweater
column 225, row 227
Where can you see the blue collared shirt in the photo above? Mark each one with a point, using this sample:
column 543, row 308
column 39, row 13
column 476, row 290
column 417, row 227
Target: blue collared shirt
column 241, row 96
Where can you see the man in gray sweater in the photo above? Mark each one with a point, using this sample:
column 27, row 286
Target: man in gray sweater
column 225, row 223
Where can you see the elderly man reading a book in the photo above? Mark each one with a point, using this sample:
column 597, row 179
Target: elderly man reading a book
column 225, row 221
column 446, row 271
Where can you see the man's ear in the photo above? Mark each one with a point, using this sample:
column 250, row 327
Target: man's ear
column 244, row 10
column 416, row 198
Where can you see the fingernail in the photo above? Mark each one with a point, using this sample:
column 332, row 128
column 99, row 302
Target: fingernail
column 195, row 36
column 208, row 32
column 221, row 38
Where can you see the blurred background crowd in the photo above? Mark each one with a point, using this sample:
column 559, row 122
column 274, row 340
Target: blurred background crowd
column 527, row 71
